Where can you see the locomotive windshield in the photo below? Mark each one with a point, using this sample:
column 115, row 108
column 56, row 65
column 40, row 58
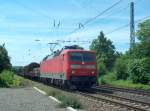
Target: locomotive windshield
column 82, row 57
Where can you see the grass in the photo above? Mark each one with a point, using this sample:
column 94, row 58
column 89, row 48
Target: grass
column 22, row 82
column 129, row 84
column 110, row 79
column 66, row 99
column 69, row 101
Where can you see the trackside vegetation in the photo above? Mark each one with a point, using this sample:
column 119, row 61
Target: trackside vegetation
column 7, row 79
column 130, row 69
column 4, row 59
column 65, row 98
column 7, row 76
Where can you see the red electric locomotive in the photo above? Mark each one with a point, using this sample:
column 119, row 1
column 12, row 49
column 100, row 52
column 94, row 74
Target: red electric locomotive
column 75, row 68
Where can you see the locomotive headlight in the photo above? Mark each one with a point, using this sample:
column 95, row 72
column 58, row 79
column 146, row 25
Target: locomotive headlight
column 72, row 71
column 93, row 72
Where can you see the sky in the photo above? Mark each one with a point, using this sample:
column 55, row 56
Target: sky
column 27, row 26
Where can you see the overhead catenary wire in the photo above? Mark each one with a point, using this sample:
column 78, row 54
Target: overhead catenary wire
column 126, row 25
column 118, row 11
column 121, row 10
column 107, row 16
column 88, row 21
column 98, row 15
column 114, row 30
column 101, row 13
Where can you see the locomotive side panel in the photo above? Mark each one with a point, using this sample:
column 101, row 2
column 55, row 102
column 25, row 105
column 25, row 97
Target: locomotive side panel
column 53, row 68
column 66, row 67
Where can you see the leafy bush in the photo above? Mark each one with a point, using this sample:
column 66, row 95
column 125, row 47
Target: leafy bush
column 6, row 78
column 140, row 70
column 140, row 50
column 121, row 68
column 9, row 79
column 101, row 69
column 107, row 79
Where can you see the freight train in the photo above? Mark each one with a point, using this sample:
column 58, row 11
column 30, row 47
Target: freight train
column 72, row 68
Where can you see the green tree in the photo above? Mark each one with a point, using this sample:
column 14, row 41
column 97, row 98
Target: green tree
column 140, row 50
column 143, row 32
column 140, row 70
column 139, row 64
column 105, row 51
column 121, row 68
column 4, row 59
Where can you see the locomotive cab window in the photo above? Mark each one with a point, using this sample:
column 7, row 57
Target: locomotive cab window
column 76, row 57
column 88, row 57
column 82, row 57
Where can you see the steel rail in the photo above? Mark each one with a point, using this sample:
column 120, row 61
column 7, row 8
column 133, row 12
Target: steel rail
column 129, row 90
column 123, row 98
column 112, row 101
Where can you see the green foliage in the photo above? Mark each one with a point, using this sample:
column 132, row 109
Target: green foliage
column 139, row 67
column 4, row 59
column 65, row 100
column 101, row 68
column 69, row 101
column 17, row 82
column 131, row 69
column 105, row 50
column 107, row 79
column 54, row 93
column 24, row 82
column 121, row 68
column 129, row 84
column 140, row 70
column 140, row 50
column 111, row 80
column 143, row 32
column 6, row 78
column 9, row 79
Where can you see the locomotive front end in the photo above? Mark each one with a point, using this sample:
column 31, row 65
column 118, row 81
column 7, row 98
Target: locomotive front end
column 82, row 68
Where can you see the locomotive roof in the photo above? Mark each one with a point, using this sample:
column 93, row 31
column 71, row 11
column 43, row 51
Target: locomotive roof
column 75, row 50
column 64, row 51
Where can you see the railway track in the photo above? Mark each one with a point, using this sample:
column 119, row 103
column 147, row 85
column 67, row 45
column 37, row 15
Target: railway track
column 123, row 102
column 128, row 90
